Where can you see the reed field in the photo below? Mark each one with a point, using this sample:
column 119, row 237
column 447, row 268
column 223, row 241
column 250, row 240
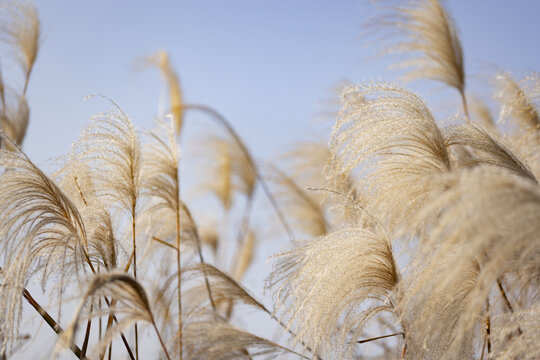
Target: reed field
column 410, row 235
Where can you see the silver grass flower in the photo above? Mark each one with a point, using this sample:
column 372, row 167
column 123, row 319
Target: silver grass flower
column 20, row 29
column 330, row 288
column 387, row 139
column 41, row 230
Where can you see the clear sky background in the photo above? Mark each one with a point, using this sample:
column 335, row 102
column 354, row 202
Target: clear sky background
column 268, row 66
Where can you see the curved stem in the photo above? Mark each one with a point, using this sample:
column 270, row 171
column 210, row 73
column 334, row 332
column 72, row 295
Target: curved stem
column 201, row 258
column 221, row 119
column 240, row 241
column 286, row 328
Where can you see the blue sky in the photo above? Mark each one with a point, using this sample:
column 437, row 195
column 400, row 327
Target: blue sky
column 268, row 66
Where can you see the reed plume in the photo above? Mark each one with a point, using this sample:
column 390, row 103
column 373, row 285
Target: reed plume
column 162, row 182
column 427, row 35
column 110, row 146
column 162, row 62
column 224, row 287
column 387, row 140
column 216, row 339
column 14, row 117
column 42, row 231
column 20, row 29
column 332, row 286
column 490, row 150
column 230, row 170
column 519, row 99
column 503, row 206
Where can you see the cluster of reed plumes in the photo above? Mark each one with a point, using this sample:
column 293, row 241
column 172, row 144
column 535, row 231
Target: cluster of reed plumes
column 413, row 239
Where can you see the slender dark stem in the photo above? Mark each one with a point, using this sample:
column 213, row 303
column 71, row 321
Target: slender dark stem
column 26, row 80
column 161, row 341
column 124, row 340
column 464, row 102
column 507, row 301
column 110, row 351
column 51, row 322
column 100, row 324
column 87, row 332
column 488, row 329
column 122, row 336
column 483, row 346
column 221, row 119
column 504, row 296
column 379, row 337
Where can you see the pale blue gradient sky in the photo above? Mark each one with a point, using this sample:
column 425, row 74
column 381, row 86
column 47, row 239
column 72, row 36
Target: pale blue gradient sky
column 266, row 65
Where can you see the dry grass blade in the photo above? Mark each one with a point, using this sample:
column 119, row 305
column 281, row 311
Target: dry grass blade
column 387, row 135
column 224, row 287
column 40, row 229
column 20, row 28
column 331, row 287
column 218, row 340
column 132, row 303
column 492, row 151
